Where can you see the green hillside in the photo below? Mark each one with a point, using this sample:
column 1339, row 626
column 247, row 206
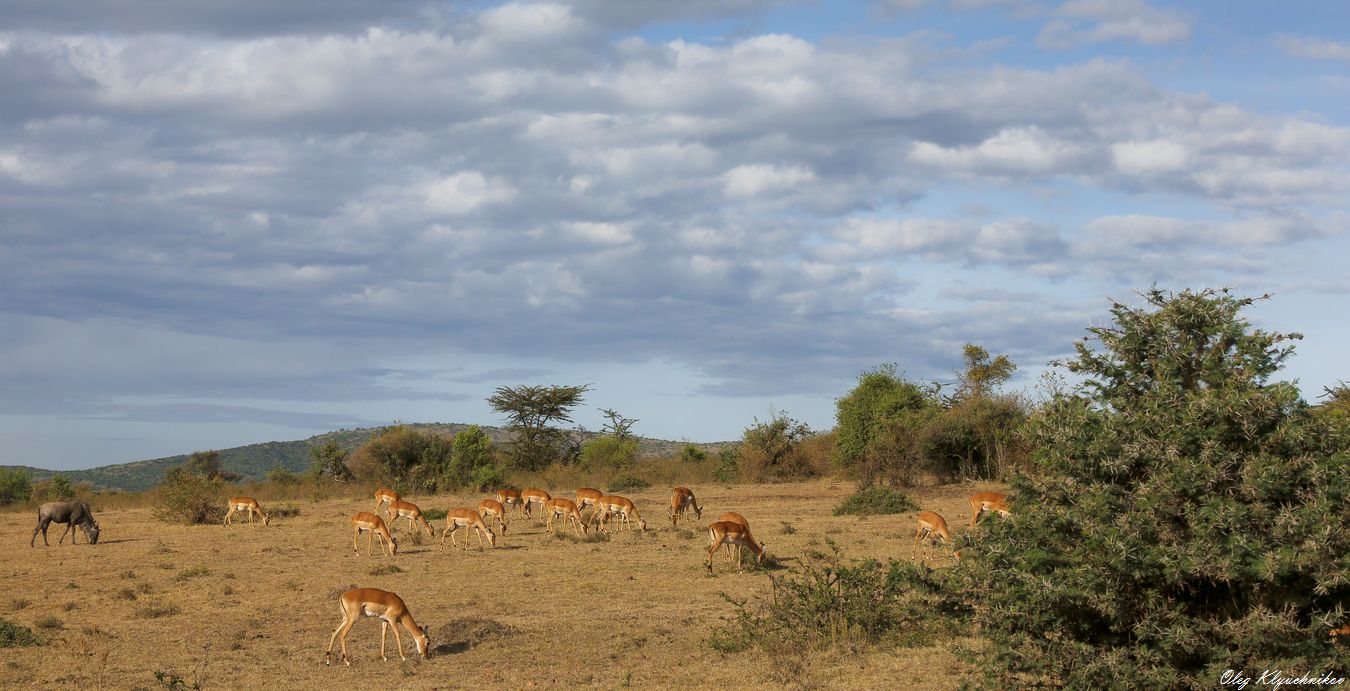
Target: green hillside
column 253, row 461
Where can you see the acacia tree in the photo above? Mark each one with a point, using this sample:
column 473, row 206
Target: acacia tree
column 1185, row 514
column 532, row 412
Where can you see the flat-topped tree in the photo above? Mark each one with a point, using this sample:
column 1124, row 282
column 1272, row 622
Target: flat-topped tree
column 1183, row 516
column 532, row 412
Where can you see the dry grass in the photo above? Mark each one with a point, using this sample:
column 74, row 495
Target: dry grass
column 537, row 611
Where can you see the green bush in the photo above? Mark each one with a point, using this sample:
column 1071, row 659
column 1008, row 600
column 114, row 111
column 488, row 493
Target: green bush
column 186, row 497
column 628, row 483
column 692, row 454
column 15, row 486
column 875, row 500
column 14, row 636
column 56, row 488
column 434, row 514
column 1178, row 522
column 728, row 468
column 609, row 452
column 828, row 601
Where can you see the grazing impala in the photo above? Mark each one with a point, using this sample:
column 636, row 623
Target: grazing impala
column 373, row 602
column 588, row 496
column 245, row 504
column 568, row 510
column 374, row 525
column 406, row 509
column 681, row 498
column 530, row 497
column 988, row 501
column 384, row 495
column 495, row 509
column 510, row 497
column 733, row 517
column 466, row 518
column 932, row 524
column 728, row 533
column 623, row 508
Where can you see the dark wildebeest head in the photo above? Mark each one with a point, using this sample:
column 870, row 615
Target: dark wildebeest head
column 72, row 513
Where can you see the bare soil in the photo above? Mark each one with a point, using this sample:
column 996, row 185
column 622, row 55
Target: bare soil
column 253, row 608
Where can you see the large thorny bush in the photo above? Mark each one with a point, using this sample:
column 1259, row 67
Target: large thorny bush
column 1186, row 515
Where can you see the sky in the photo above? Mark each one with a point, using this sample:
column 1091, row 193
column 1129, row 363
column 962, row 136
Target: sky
column 224, row 223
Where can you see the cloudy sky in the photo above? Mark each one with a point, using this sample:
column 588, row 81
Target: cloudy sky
column 230, row 222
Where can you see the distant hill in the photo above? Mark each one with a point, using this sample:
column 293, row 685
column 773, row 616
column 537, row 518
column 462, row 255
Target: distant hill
column 253, row 461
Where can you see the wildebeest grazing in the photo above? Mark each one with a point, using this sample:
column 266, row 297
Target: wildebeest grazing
column 72, row 513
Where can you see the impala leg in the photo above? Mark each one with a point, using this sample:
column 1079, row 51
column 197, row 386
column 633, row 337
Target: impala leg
column 355, row 533
column 398, row 640
column 384, row 629
column 339, row 632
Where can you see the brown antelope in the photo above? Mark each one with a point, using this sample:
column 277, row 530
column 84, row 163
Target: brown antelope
column 728, row 533
column 1341, row 631
column 510, row 497
column 733, row 517
column 932, row 524
column 569, row 512
column 466, row 518
column 406, row 509
column 385, row 495
column 588, row 496
column 373, row 525
column 373, row 602
column 530, row 497
column 988, row 501
column 496, row 510
column 681, row 498
column 623, row 508
column 245, row 504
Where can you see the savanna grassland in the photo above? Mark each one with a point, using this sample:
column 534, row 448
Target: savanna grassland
column 253, row 607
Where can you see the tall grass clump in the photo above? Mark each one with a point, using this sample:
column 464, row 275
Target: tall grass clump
column 875, row 500
column 14, row 636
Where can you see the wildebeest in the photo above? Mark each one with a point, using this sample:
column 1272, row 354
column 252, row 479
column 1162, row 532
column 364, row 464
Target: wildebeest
column 72, row 513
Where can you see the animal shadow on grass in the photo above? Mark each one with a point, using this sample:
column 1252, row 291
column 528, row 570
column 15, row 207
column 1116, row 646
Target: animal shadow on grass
column 126, row 539
column 459, row 635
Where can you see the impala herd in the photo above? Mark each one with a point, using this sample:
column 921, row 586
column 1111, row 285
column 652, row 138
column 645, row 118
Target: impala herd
column 731, row 531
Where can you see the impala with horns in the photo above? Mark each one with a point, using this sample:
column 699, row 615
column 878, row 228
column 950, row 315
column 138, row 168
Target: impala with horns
column 373, row 602
column 510, row 497
column 618, row 506
column 247, row 505
column 530, row 497
column 405, row 509
column 72, row 513
column 466, row 518
column 494, row 508
column 569, row 512
column 374, row 527
column 384, row 496
column 681, row 499
column 988, row 501
column 728, row 533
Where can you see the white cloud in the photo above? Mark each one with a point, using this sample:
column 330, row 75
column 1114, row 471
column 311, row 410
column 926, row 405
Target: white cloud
column 1312, row 48
column 466, row 191
column 1012, row 150
column 755, row 180
column 1095, row 21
